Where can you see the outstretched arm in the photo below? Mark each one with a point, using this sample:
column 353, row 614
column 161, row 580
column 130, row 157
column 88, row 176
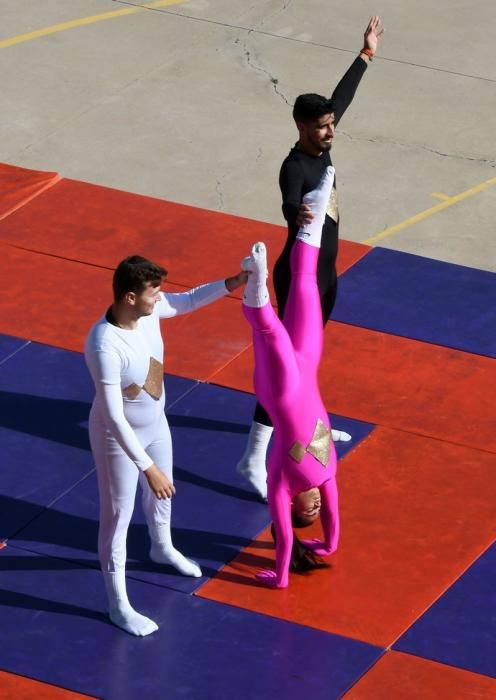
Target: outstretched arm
column 280, row 510
column 346, row 88
column 183, row 302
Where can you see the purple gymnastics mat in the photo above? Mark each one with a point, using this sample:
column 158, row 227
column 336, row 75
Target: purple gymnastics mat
column 51, row 504
column 45, row 399
column 54, row 629
column 214, row 515
column 9, row 345
column 420, row 298
column 460, row 628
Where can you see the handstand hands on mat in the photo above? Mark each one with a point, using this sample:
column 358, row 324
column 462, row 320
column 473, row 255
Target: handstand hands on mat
column 301, row 475
column 129, row 434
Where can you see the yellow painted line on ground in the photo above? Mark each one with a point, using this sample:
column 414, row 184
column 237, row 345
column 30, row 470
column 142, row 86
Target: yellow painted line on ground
column 72, row 24
column 449, row 202
column 440, row 195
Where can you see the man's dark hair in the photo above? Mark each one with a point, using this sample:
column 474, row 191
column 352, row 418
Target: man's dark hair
column 310, row 106
column 133, row 274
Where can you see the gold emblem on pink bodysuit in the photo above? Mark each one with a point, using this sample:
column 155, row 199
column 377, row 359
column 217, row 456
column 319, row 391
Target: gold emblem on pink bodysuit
column 319, row 446
column 153, row 385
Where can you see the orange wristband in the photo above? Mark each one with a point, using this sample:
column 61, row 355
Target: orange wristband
column 368, row 52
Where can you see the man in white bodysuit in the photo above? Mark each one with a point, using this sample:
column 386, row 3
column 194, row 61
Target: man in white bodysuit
column 129, row 435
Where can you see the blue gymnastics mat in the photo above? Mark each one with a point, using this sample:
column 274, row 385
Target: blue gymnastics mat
column 420, row 298
column 460, row 628
column 10, row 345
column 214, row 515
column 51, row 505
column 54, row 629
column 45, row 399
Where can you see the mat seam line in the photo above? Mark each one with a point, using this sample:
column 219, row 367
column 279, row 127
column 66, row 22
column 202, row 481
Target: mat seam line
column 85, row 565
column 28, row 342
column 440, row 595
column 49, row 505
column 54, row 181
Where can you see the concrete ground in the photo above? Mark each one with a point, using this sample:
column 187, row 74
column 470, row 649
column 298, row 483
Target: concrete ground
column 191, row 102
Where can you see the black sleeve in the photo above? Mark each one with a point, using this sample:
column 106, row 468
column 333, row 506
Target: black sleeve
column 346, row 88
column 291, row 180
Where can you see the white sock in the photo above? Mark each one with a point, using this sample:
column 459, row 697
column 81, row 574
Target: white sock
column 256, row 293
column 120, row 611
column 162, row 551
column 252, row 463
column 317, row 200
column 340, row 436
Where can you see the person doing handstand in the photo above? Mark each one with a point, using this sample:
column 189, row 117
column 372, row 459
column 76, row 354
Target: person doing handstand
column 301, row 474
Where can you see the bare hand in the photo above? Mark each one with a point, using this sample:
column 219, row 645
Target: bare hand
column 305, row 215
column 159, row 483
column 238, row 280
column 373, row 33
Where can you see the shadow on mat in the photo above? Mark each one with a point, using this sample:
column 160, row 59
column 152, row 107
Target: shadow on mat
column 223, row 426
column 14, row 599
column 66, row 532
column 59, row 420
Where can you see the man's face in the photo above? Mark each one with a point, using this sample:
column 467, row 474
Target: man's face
column 144, row 303
column 316, row 136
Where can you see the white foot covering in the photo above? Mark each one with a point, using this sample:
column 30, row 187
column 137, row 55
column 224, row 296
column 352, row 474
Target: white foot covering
column 252, row 463
column 120, row 611
column 256, row 292
column 124, row 616
column 173, row 557
column 317, row 200
column 340, row 436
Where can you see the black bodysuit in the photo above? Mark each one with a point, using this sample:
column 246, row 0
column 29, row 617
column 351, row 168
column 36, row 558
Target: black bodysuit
column 300, row 173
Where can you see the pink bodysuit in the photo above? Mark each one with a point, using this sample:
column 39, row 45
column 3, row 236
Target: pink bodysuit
column 287, row 357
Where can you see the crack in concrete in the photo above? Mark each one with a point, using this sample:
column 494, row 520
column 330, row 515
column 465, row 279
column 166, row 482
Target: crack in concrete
column 273, row 81
column 298, row 40
column 391, row 142
column 218, row 189
column 276, row 12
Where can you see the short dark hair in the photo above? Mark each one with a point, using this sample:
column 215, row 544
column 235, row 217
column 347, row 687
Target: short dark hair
column 310, row 106
column 133, row 274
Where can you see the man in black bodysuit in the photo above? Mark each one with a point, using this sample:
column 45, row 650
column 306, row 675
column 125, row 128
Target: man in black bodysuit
column 316, row 118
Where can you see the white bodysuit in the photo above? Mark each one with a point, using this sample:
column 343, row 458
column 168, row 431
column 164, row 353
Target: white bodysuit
column 128, row 429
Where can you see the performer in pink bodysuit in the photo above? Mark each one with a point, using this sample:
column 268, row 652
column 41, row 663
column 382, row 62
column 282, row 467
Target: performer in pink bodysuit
column 301, row 475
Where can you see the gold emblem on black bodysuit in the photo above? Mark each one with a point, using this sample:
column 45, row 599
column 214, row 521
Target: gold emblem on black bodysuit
column 319, row 446
column 153, row 385
column 332, row 205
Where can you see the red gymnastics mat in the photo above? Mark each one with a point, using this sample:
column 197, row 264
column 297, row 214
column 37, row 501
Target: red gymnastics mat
column 13, row 687
column 101, row 226
column 415, row 514
column 18, row 186
column 399, row 676
column 400, row 383
column 55, row 301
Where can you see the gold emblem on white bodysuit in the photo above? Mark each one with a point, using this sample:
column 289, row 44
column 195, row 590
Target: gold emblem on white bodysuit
column 332, row 205
column 153, row 385
column 319, row 446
